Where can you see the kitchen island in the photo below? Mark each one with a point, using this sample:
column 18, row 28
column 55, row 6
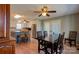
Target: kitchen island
column 23, row 35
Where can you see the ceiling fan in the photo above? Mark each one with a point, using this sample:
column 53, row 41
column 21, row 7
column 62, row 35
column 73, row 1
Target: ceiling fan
column 44, row 11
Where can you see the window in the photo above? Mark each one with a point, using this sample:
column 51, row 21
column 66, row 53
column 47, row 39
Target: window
column 18, row 26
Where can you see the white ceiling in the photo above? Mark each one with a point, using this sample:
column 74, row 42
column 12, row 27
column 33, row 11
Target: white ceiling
column 27, row 10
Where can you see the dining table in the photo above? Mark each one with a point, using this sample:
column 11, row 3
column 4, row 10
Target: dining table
column 50, row 43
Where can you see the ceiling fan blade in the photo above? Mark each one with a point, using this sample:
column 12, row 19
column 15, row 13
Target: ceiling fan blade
column 47, row 15
column 39, row 15
column 51, row 11
column 26, row 21
column 37, row 11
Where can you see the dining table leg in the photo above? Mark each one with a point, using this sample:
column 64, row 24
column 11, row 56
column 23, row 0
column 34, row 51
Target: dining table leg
column 38, row 46
column 52, row 49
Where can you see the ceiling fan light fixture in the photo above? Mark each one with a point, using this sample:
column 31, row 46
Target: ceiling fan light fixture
column 44, row 13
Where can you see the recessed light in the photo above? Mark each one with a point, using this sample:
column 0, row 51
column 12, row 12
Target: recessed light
column 17, row 16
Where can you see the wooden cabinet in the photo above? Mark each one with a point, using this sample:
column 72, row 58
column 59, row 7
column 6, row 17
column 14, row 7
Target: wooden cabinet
column 6, row 45
column 4, row 20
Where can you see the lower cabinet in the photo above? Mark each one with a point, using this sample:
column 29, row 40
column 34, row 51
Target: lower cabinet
column 7, row 47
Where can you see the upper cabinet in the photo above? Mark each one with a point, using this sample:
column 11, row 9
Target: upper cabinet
column 4, row 20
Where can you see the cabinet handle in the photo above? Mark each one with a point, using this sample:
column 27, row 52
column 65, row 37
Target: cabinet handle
column 4, row 46
column 1, row 46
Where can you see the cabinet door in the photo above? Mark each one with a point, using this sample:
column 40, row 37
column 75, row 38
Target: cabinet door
column 4, row 20
column 7, row 21
column 7, row 49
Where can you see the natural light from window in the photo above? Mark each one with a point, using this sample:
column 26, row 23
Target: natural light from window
column 18, row 26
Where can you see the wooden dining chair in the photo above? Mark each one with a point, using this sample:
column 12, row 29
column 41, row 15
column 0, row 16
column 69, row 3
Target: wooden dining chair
column 39, row 34
column 45, row 34
column 58, row 45
column 45, row 46
column 49, row 47
column 61, row 46
column 41, row 45
column 72, row 37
